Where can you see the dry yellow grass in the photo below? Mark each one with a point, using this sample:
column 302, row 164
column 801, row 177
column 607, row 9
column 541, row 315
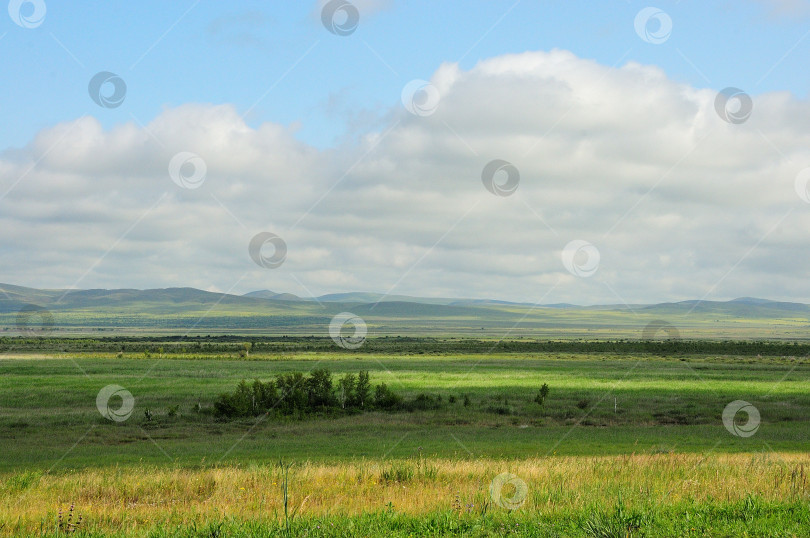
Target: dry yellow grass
column 143, row 496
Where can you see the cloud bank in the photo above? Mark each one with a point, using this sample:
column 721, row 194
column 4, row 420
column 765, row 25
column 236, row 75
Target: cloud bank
column 678, row 202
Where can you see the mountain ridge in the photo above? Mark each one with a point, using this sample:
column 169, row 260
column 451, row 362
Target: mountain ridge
column 101, row 296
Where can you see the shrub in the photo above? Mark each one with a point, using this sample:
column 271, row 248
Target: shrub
column 384, row 398
column 500, row 409
column 542, row 394
column 424, row 402
column 237, row 404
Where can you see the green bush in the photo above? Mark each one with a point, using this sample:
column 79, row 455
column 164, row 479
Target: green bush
column 425, row 402
column 385, row 399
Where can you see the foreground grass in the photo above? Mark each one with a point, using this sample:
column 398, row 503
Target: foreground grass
column 597, row 406
column 645, row 495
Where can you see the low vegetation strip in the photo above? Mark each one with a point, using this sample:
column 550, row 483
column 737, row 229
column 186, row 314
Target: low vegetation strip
column 243, row 346
column 635, row 495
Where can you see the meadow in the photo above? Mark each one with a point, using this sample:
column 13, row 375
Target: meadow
column 626, row 443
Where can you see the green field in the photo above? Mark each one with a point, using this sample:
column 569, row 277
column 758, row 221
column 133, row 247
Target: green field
column 628, row 404
column 600, row 405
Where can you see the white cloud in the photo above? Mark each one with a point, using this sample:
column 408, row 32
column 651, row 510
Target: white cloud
column 678, row 202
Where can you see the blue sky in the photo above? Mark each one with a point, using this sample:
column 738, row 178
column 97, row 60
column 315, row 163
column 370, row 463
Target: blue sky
column 170, row 53
column 250, row 119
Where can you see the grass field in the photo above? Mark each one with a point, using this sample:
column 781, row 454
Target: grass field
column 623, row 444
column 653, row 495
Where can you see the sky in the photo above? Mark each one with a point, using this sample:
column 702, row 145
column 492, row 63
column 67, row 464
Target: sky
column 542, row 152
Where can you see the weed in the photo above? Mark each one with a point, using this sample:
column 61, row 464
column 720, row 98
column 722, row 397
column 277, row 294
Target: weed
column 67, row 525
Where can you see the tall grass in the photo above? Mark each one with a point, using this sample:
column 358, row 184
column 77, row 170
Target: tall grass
column 602, row 494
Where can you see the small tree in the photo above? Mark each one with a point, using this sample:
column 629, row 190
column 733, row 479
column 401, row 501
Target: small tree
column 319, row 389
column 292, row 392
column 362, row 392
column 542, row 395
column 265, row 395
column 346, row 390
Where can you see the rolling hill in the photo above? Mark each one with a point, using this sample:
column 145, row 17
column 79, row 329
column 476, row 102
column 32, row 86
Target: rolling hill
column 190, row 309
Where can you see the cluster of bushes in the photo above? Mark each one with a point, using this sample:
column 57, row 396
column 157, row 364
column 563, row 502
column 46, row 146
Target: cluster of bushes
column 296, row 393
column 317, row 392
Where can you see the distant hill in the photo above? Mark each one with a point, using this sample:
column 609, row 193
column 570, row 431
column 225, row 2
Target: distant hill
column 267, row 294
column 370, row 297
column 367, row 297
column 743, row 308
column 273, row 312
